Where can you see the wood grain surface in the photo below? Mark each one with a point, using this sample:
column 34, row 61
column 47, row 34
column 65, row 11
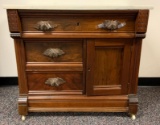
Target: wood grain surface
column 35, row 49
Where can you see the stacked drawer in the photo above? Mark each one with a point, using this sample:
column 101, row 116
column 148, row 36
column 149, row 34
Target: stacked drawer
column 55, row 65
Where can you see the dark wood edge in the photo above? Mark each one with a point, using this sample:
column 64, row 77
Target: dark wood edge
column 134, row 67
column 77, row 35
column 142, row 21
column 83, row 109
column 16, row 35
column 14, row 21
column 25, row 12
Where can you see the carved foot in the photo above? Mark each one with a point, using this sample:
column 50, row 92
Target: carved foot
column 133, row 117
column 23, row 118
column 133, row 106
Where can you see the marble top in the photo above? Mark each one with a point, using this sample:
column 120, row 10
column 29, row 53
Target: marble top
column 76, row 7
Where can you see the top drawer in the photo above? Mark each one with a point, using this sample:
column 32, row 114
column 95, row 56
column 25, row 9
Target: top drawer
column 69, row 22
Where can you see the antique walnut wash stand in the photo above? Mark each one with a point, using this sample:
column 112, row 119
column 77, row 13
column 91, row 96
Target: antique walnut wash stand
column 77, row 60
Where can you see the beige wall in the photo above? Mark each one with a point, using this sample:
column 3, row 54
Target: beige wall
column 150, row 59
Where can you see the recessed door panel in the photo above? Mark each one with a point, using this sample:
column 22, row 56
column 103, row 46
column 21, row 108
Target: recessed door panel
column 108, row 63
column 108, row 66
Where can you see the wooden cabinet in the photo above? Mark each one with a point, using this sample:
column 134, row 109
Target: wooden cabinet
column 77, row 60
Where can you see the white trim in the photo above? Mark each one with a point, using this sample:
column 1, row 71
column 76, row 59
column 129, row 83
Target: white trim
column 76, row 7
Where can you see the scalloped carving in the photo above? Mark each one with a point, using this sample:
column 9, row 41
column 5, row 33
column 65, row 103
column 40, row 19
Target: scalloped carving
column 111, row 24
column 55, row 81
column 45, row 26
column 53, row 52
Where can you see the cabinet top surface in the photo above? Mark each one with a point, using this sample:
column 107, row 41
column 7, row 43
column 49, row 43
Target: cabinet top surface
column 103, row 7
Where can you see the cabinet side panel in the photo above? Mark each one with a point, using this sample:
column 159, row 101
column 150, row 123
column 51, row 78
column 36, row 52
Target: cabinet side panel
column 135, row 62
column 20, row 57
column 23, row 89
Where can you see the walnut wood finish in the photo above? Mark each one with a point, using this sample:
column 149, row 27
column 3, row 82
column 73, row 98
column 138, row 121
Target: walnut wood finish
column 135, row 61
column 73, row 81
column 108, row 68
column 78, row 23
column 54, row 67
column 78, row 35
column 35, row 51
column 142, row 21
column 86, row 109
column 22, row 82
column 100, row 67
column 80, row 103
column 14, row 21
column 133, row 104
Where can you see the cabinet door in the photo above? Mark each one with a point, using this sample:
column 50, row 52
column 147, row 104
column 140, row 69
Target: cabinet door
column 108, row 62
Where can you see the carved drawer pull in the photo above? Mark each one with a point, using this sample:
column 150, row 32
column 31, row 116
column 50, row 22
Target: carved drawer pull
column 53, row 52
column 111, row 25
column 55, row 81
column 45, row 26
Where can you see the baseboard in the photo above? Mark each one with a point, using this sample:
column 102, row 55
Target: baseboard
column 142, row 81
column 149, row 81
column 8, row 81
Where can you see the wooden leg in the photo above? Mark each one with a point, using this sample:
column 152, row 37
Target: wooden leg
column 22, row 105
column 133, row 106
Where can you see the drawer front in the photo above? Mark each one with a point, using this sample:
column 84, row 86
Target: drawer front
column 77, row 23
column 55, row 81
column 53, row 51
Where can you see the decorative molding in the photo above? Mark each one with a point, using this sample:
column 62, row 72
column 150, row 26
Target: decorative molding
column 133, row 98
column 22, row 104
column 13, row 21
column 22, row 99
column 133, row 104
column 140, row 35
column 13, row 35
column 142, row 21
